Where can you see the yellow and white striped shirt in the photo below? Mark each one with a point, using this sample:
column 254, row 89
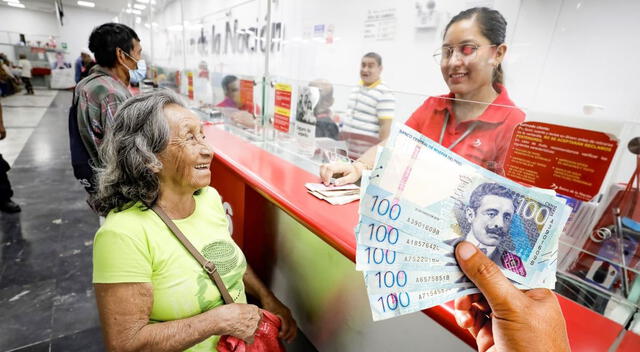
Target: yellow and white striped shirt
column 367, row 106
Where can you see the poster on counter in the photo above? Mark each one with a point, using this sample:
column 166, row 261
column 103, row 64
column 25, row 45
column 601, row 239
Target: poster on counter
column 305, row 129
column 282, row 110
column 190, row 85
column 571, row 161
column 246, row 93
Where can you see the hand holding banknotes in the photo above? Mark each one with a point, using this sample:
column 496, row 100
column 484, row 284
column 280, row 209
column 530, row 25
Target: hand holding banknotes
column 520, row 320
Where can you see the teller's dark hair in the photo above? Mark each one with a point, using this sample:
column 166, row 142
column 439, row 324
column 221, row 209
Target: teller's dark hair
column 106, row 38
column 226, row 82
column 492, row 25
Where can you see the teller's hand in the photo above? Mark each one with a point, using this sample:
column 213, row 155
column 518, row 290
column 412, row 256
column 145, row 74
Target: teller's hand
column 350, row 172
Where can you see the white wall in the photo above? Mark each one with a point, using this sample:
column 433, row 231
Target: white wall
column 31, row 23
column 78, row 23
column 27, row 21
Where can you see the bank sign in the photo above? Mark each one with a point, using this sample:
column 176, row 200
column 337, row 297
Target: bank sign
column 234, row 37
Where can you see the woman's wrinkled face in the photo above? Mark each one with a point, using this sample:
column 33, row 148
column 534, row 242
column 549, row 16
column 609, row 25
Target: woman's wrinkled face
column 187, row 158
column 473, row 59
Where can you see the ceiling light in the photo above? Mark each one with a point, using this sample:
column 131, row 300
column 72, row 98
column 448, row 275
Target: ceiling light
column 143, row 1
column 13, row 1
column 86, row 3
column 16, row 4
column 133, row 11
column 138, row 20
column 139, row 6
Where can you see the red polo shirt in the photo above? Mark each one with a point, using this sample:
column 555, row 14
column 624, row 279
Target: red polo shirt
column 487, row 144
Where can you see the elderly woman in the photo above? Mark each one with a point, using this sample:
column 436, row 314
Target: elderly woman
column 152, row 294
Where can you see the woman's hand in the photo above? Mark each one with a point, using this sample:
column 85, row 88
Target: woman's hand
column 351, row 172
column 288, row 330
column 504, row 318
column 240, row 320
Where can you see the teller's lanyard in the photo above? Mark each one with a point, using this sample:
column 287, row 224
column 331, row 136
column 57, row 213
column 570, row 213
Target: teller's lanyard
column 464, row 135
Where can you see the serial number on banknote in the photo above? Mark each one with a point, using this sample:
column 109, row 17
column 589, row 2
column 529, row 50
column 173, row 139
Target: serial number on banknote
column 422, row 244
column 419, row 259
column 432, row 278
column 431, row 293
column 423, row 226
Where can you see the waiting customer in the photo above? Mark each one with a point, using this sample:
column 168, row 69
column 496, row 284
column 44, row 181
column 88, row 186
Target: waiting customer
column 97, row 98
column 6, row 204
column 152, row 295
column 504, row 318
column 83, row 65
column 371, row 104
column 25, row 74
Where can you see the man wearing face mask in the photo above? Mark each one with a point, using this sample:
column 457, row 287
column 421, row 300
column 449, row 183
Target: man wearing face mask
column 118, row 56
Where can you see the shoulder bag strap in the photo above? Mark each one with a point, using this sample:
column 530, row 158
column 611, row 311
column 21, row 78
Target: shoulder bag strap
column 207, row 265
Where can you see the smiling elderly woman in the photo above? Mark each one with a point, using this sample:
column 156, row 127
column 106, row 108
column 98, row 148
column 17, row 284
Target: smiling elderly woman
column 152, row 294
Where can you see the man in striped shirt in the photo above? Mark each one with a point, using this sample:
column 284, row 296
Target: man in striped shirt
column 371, row 104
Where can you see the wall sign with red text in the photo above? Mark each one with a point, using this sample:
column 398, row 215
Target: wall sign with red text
column 282, row 111
column 572, row 161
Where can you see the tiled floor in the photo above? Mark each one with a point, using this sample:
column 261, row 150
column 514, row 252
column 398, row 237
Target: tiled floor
column 22, row 113
column 46, row 296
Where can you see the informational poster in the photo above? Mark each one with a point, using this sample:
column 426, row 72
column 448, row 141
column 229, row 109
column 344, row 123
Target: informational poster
column 190, row 85
column 305, row 130
column 571, row 161
column 282, row 111
column 246, row 92
column 380, row 25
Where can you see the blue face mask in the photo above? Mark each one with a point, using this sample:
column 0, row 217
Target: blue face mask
column 140, row 73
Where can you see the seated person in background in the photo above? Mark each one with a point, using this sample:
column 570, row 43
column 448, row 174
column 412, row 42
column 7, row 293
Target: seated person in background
column 152, row 294
column 8, row 82
column 246, row 115
column 470, row 61
column 371, row 104
column 326, row 125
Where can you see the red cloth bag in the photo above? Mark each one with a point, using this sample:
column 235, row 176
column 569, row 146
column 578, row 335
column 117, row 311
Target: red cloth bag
column 265, row 340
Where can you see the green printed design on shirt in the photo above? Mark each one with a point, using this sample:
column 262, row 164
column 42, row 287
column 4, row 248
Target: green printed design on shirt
column 223, row 255
column 204, row 283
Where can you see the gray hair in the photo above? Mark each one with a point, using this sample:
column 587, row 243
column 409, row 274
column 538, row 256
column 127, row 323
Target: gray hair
column 128, row 153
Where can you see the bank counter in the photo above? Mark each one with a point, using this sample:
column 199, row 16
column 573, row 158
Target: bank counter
column 304, row 249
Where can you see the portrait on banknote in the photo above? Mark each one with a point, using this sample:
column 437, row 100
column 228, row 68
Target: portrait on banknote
column 489, row 219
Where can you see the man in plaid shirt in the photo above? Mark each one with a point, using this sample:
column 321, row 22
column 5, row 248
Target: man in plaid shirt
column 97, row 97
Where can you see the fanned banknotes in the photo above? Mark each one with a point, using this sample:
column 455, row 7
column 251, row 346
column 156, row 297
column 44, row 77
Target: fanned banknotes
column 421, row 200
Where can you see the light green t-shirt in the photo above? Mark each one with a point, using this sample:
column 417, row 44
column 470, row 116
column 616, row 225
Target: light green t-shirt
column 136, row 246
